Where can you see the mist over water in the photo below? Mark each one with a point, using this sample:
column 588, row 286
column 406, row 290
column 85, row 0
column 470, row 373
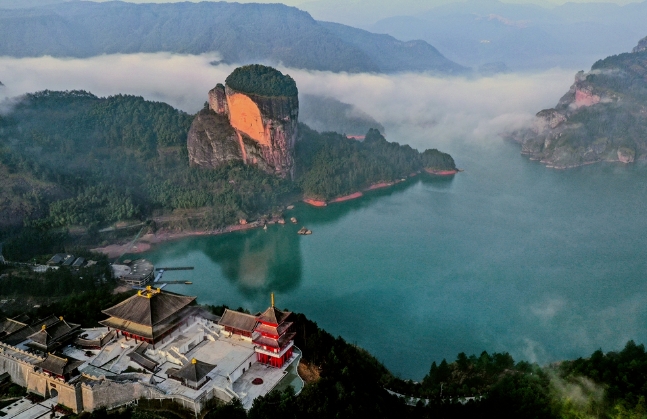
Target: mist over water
column 507, row 256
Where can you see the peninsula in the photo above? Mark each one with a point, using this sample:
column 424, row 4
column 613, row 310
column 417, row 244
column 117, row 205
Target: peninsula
column 603, row 117
column 84, row 170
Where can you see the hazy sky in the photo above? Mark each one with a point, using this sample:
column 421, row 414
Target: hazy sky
column 430, row 3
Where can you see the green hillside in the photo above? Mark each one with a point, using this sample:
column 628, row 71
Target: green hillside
column 239, row 33
column 72, row 159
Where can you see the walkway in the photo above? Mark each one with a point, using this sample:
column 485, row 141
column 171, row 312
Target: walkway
column 24, row 409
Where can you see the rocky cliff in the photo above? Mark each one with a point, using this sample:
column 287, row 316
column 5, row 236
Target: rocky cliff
column 603, row 117
column 252, row 118
column 642, row 45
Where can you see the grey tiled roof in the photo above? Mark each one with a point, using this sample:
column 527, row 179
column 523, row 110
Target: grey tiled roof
column 274, row 315
column 238, row 320
column 59, row 365
column 193, row 371
column 147, row 311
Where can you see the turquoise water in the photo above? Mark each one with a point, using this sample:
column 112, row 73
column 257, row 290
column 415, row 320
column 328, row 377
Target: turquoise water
column 507, row 256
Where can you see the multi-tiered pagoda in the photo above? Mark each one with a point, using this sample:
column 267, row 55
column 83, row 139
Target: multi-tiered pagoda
column 275, row 339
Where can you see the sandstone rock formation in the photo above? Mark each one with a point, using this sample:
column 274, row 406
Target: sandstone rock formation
column 603, row 116
column 256, row 128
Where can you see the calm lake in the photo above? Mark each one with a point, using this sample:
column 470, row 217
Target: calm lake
column 507, row 256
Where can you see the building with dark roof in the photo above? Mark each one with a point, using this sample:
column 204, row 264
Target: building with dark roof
column 53, row 335
column 69, row 260
column 12, row 325
column 139, row 356
column 17, row 331
column 238, row 323
column 57, row 259
column 78, row 262
column 97, row 342
column 193, row 374
column 150, row 315
column 60, row 367
column 137, row 273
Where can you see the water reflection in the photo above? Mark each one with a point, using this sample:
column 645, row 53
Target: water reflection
column 259, row 261
column 337, row 211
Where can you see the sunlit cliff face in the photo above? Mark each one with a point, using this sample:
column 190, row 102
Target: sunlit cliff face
column 245, row 117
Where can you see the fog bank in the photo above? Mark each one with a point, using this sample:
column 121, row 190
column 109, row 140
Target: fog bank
column 418, row 109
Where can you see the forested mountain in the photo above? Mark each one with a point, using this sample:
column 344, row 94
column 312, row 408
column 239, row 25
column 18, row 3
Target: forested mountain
column 74, row 159
column 240, row 33
column 392, row 55
column 603, row 117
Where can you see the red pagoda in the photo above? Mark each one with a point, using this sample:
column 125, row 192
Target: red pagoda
column 275, row 340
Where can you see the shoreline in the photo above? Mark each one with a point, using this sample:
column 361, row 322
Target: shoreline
column 442, row 172
column 147, row 241
column 322, row 203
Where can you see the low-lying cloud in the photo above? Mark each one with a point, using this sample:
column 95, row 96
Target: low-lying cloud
column 418, row 109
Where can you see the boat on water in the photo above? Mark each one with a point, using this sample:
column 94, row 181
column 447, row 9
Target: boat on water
column 294, row 220
column 188, row 282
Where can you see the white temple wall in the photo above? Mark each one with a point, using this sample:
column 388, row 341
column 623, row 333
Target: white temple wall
column 111, row 394
column 17, row 368
column 242, row 368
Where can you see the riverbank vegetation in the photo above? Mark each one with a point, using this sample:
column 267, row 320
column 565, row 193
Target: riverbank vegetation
column 331, row 165
column 352, row 383
column 74, row 163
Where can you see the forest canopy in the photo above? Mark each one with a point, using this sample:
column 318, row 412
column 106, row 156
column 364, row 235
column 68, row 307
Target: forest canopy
column 261, row 80
column 74, row 159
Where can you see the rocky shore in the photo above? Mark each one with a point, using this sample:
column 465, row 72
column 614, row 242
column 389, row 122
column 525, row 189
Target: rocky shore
column 602, row 118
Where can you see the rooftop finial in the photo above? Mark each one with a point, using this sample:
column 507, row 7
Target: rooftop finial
column 194, row 361
column 43, row 327
column 272, row 299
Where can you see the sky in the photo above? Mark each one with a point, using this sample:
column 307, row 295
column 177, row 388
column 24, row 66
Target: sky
column 429, row 3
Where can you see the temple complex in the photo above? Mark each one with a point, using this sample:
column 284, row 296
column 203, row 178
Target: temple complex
column 155, row 344
column 148, row 316
column 53, row 335
column 62, row 368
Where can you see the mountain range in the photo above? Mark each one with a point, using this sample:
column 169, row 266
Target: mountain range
column 239, row 33
column 521, row 36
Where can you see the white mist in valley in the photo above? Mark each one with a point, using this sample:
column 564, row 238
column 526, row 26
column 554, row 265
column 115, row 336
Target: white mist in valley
column 416, row 108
